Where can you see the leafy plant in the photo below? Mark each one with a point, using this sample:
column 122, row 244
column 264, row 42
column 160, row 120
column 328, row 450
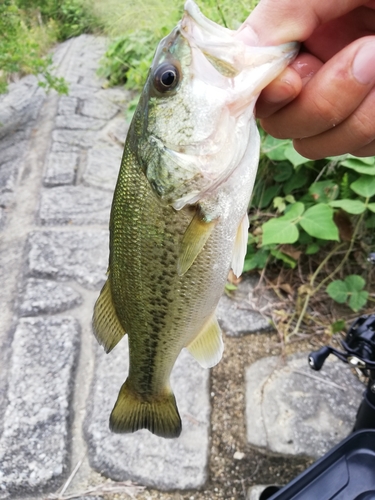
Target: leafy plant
column 350, row 290
column 29, row 28
column 128, row 59
column 318, row 208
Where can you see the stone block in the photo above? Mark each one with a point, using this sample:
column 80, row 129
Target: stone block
column 63, row 147
column 34, row 446
column 13, row 152
column 47, row 297
column 149, row 460
column 8, row 180
column 73, row 122
column 81, row 256
column 74, row 205
column 20, row 104
column 103, row 164
column 116, row 131
column 60, row 168
column 67, row 105
column 82, row 138
column 96, row 107
column 291, row 409
column 237, row 315
column 80, row 91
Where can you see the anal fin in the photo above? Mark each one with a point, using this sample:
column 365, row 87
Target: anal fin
column 193, row 241
column 240, row 246
column 107, row 327
column 207, row 347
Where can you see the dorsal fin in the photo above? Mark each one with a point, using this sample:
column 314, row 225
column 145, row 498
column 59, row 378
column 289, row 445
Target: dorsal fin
column 194, row 239
column 107, row 327
column 207, row 347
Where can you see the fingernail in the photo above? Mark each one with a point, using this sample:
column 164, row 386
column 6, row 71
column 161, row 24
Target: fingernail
column 364, row 64
column 247, row 35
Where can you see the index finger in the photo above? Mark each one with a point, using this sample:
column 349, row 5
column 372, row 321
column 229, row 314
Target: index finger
column 279, row 21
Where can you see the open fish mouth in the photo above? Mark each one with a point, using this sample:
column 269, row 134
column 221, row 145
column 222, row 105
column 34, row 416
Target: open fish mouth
column 228, row 55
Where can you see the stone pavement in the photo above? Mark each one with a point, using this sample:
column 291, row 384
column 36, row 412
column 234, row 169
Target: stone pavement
column 59, row 158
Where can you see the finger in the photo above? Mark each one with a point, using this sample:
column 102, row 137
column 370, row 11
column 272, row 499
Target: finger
column 333, row 36
column 278, row 93
column 368, row 150
column 331, row 95
column 279, row 21
column 287, row 86
column 356, row 135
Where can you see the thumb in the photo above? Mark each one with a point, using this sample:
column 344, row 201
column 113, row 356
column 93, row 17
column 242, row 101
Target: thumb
column 274, row 22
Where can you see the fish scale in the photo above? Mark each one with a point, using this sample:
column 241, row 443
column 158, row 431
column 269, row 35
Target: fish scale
column 179, row 213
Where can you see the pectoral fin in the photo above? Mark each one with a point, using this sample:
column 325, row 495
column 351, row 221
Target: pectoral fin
column 107, row 327
column 207, row 348
column 240, row 246
column 193, row 241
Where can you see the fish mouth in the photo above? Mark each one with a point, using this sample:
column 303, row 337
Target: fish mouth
column 221, row 60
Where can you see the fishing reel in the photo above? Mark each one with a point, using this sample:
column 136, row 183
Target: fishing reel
column 359, row 352
column 358, row 346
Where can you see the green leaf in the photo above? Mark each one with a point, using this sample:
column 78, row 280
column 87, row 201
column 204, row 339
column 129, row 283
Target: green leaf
column 350, row 206
column 360, row 165
column 279, row 230
column 279, row 203
column 338, row 291
column 371, row 206
column 358, row 300
column 256, row 261
column 370, row 222
column 274, row 149
column 338, row 158
column 262, row 196
column 318, row 222
column 338, row 326
column 354, row 282
column 230, row 287
column 324, row 191
column 290, row 198
column 285, row 258
column 294, row 211
column 312, row 248
column 297, row 180
column 364, row 186
column 295, row 158
column 283, row 171
column 304, row 238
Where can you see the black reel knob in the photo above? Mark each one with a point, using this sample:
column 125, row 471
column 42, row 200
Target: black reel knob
column 317, row 358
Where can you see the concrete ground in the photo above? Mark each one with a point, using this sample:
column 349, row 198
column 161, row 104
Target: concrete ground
column 256, row 418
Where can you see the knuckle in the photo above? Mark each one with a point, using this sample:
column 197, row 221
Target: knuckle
column 328, row 111
column 363, row 124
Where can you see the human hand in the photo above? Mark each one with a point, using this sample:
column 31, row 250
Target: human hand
column 325, row 100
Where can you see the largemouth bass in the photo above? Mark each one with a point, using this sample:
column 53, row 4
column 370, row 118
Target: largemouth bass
column 179, row 214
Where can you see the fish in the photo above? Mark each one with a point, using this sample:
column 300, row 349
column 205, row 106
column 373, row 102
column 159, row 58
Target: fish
column 179, row 219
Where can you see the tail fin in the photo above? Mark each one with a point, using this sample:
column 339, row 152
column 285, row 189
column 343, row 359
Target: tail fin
column 158, row 414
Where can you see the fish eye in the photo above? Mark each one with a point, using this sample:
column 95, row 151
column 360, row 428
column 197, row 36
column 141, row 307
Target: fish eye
column 166, row 77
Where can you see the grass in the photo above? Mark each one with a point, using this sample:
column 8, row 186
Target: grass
column 119, row 18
